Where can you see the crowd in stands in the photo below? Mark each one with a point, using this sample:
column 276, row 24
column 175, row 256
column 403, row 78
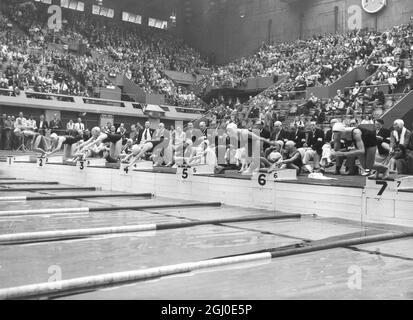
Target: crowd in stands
column 387, row 57
column 140, row 53
column 30, row 61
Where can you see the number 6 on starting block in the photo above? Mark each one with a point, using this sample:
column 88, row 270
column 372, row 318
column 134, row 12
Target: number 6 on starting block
column 10, row 160
column 279, row 175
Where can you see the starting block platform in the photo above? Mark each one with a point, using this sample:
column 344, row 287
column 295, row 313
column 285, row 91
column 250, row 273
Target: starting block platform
column 27, row 158
column 278, row 175
column 143, row 165
column 406, row 183
column 57, row 159
column 115, row 165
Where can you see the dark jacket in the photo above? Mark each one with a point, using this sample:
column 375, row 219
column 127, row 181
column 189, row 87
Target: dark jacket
column 298, row 136
column 282, row 135
column 385, row 134
column 316, row 140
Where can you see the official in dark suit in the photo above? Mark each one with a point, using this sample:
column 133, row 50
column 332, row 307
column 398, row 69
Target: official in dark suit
column 279, row 133
column 43, row 125
column 264, row 133
column 147, row 133
column 315, row 138
column 56, row 125
column 298, row 136
column 382, row 137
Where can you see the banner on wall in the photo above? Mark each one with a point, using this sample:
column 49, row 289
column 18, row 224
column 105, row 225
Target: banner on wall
column 105, row 118
column 49, row 115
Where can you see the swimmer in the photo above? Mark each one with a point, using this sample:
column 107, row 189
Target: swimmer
column 39, row 142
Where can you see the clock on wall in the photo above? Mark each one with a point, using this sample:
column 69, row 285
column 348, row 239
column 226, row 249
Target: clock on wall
column 373, row 6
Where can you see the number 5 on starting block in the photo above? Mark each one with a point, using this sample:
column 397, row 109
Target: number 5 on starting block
column 183, row 174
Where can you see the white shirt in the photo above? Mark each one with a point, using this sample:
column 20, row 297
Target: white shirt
column 146, row 135
column 79, row 126
column 20, row 123
column 31, row 124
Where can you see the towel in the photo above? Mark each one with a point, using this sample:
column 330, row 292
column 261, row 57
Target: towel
column 402, row 135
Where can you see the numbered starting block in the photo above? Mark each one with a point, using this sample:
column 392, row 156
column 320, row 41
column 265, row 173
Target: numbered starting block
column 96, row 162
column 41, row 161
column 29, row 158
column 381, row 189
column 82, row 164
column 405, row 183
column 263, row 178
column 113, row 165
column 124, row 169
column 143, row 165
column 10, row 160
column 184, row 173
column 202, row 169
column 57, row 159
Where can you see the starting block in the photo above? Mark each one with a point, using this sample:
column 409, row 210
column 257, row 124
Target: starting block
column 203, row 169
column 263, row 178
column 10, row 160
column 123, row 168
column 405, row 183
column 41, row 161
column 378, row 189
column 82, row 164
column 69, row 163
column 96, row 162
column 143, row 165
column 57, row 159
column 113, row 165
column 29, row 158
column 183, row 173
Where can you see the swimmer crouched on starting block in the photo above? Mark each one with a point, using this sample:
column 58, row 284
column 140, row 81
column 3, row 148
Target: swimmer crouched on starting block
column 139, row 151
column 68, row 142
column 39, row 142
column 365, row 145
column 85, row 149
column 249, row 141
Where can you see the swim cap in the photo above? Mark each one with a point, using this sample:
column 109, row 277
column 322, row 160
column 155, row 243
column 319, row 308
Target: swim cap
column 274, row 156
column 135, row 149
column 339, row 127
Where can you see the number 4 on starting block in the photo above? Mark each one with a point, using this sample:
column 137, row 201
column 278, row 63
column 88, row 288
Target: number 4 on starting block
column 125, row 169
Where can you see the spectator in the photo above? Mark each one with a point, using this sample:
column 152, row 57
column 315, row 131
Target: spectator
column 55, row 125
column 43, row 125
column 79, row 125
column 7, row 130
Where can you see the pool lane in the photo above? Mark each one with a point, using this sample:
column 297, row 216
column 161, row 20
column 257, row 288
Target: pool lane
column 28, row 264
column 329, row 274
